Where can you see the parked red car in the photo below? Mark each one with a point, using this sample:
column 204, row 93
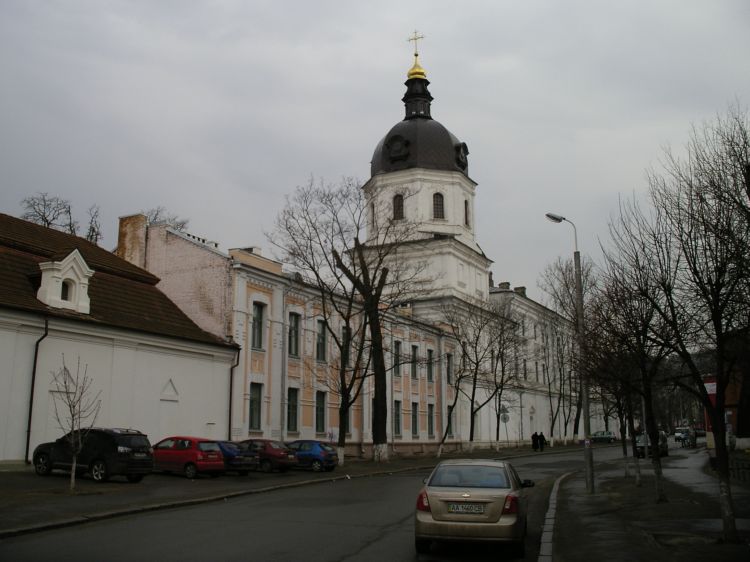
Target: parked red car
column 188, row 455
column 272, row 454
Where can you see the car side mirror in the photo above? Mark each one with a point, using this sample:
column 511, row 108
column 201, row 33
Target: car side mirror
column 425, row 479
column 527, row 483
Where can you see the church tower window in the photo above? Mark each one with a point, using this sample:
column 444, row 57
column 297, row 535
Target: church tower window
column 438, row 207
column 398, row 207
column 466, row 213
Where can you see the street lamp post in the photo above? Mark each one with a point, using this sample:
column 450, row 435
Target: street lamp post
column 588, row 454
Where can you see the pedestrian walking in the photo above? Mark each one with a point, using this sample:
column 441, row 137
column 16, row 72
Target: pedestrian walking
column 542, row 441
column 535, row 442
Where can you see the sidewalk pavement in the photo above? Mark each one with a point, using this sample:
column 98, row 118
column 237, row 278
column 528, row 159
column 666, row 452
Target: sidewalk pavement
column 623, row 522
column 619, row 522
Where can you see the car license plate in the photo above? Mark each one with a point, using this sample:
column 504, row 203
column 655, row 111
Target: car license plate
column 471, row 508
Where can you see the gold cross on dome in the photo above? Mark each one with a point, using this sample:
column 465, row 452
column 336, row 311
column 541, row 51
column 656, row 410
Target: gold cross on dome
column 416, row 37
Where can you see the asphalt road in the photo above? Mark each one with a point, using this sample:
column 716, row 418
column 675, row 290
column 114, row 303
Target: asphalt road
column 363, row 519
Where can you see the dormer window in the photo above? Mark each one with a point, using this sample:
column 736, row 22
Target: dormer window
column 438, row 207
column 65, row 284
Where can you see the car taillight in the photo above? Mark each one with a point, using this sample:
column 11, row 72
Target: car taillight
column 423, row 504
column 199, row 456
column 511, row 505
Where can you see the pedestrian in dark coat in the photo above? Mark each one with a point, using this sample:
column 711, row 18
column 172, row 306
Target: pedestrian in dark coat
column 535, row 441
column 542, row 441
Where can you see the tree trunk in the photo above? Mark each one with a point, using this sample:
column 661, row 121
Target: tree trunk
column 380, row 399
column 729, row 533
column 73, row 474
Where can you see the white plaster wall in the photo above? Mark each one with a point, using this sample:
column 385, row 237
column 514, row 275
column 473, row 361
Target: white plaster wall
column 130, row 371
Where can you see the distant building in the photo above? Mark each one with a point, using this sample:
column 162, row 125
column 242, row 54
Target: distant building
column 60, row 295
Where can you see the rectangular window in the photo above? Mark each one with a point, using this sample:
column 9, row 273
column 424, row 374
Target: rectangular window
column 257, row 335
column 525, row 371
column 397, row 358
column 415, row 419
column 256, row 397
column 450, row 421
column 430, row 373
column 397, row 417
column 431, row 420
column 414, row 359
column 449, row 368
column 292, row 395
column 320, row 412
column 536, row 370
column 294, row 321
column 320, row 343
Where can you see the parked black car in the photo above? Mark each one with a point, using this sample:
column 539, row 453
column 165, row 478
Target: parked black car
column 238, row 457
column 105, row 453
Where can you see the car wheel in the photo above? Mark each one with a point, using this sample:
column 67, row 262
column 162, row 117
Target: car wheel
column 99, row 471
column 316, row 465
column 134, row 478
column 190, row 471
column 265, row 465
column 42, row 464
column 422, row 546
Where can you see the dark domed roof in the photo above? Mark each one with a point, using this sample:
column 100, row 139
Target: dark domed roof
column 419, row 141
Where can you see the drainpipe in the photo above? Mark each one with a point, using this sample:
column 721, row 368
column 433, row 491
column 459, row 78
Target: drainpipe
column 231, row 392
column 33, row 383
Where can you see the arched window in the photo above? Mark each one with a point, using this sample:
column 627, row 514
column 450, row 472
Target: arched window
column 398, row 207
column 438, row 209
column 66, row 291
column 466, row 213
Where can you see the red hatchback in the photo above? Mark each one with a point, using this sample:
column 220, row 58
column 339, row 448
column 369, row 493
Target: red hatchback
column 188, row 455
column 272, row 454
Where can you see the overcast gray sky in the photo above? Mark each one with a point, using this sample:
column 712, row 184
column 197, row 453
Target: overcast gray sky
column 217, row 110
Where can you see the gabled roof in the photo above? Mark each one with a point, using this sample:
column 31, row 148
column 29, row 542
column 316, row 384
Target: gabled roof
column 122, row 295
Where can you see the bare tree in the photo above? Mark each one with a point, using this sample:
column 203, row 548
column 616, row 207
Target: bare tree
column 557, row 364
column 332, row 231
column 694, row 244
column 94, row 230
column 76, row 408
column 489, row 338
column 50, row 211
column 558, row 283
column 55, row 212
column 161, row 214
column 316, row 220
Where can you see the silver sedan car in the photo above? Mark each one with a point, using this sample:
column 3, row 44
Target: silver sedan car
column 472, row 500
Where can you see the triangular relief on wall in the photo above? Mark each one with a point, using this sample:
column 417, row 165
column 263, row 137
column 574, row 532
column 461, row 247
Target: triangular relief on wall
column 169, row 392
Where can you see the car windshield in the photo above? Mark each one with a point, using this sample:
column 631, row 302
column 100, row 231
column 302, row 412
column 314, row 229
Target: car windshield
column 327, row 448
column 469, row 476
column 276, row 445
column 208, row 446
column 229, row 446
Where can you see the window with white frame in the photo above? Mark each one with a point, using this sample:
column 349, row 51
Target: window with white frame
column 257, row 335
column 294, row 323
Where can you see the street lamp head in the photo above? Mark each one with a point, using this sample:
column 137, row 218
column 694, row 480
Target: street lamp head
column 554, row 218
